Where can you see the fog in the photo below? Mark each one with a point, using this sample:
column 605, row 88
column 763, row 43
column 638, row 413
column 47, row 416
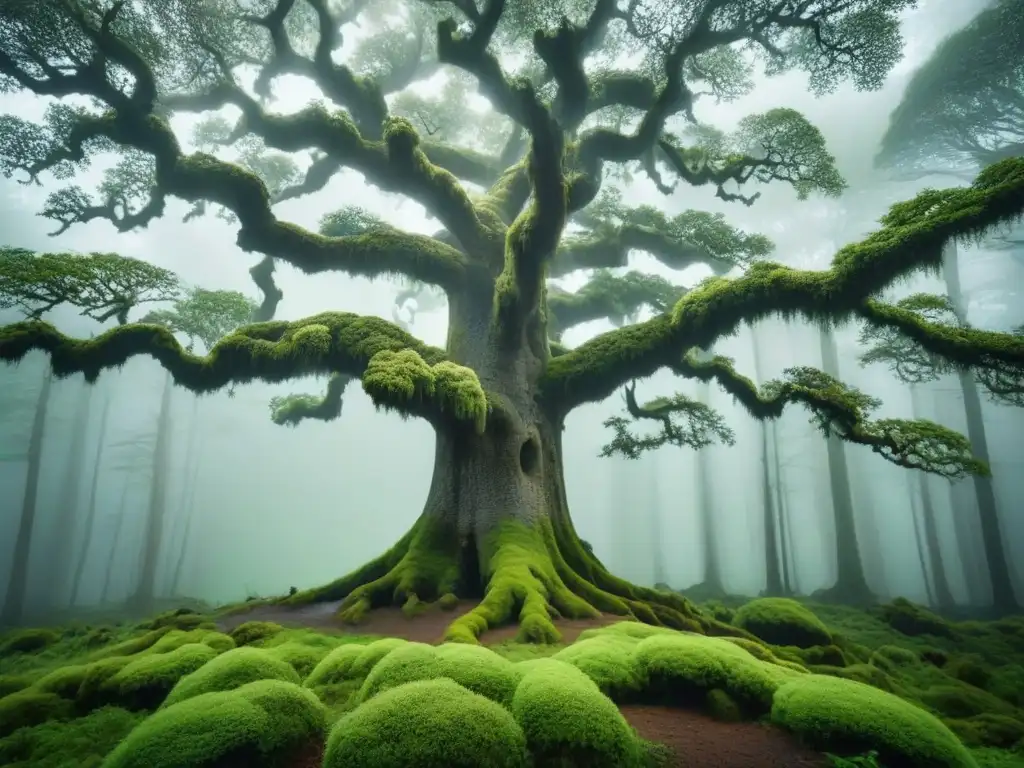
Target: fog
column 276, row 507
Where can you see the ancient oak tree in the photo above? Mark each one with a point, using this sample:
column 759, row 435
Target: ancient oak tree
column 581, row 96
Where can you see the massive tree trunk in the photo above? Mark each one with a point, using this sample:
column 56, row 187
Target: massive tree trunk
column 851, row 586
column 152, row 542
column 495, row 528
column 17, row 579
column 1003, row 599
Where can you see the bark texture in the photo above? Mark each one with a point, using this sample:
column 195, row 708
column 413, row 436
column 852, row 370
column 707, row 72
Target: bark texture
column 496, row 524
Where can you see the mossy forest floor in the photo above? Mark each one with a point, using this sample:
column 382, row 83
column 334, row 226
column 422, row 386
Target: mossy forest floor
column 793, row 684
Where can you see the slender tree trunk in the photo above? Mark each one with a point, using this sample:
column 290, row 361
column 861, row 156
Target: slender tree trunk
column 122, row 506
column 1003, row 599
column 90, row 517
column 713, row 583
column 145, row 593
column 936, row 564
column 189, row 512
column 785, row 534
column 190, row 472
column 851, row 586
column 773, row 568
column 657, row 529
column 17, row 580
column 62, row 550
column 496, row 528
column 920, row 545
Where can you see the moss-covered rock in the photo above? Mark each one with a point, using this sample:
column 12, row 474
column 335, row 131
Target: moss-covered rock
column 608, row 661
column 253, row 631
column 781, row 621
column 351, row 662
column 29, row 640
column 568, row 721
column 264, row 723
column 913, row 620
column 427, row 724
column 682, row 668
column 988, row 730
column 893, row 657
column 850, row 718
column 145, row 681
column 31, row 707
column 79, row 743
column 12, row 683
column 475, row 668
column 302, row 658
column 231, row 670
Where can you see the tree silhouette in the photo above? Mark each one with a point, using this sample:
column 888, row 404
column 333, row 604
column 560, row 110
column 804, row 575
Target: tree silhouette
column 530, row 198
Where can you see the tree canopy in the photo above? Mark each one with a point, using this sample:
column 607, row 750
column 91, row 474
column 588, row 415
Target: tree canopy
column 964, row 108
column 578, row 98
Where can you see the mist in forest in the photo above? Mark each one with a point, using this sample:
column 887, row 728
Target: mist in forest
column 253, row 509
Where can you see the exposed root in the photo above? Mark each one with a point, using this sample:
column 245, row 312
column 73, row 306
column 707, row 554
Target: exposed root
column 533, row 574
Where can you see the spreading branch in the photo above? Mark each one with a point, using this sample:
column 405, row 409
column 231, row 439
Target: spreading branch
column 912, row 238
column 398, row 371
column 607, row 297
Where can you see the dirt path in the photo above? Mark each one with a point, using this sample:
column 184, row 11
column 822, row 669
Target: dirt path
column 698, row 741
column 428, row 627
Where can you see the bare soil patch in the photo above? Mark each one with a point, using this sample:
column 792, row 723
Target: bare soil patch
column 698, row 741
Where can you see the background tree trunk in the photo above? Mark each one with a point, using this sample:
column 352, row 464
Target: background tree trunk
column 713, row 583
column 145, row 593
column 657, row 529
column 90, row 515
column 785, row 533
column 17, row 580
column 772, row 566
column 63, row 537
column 1003, row 599
column 851, row 585
column 115, row 540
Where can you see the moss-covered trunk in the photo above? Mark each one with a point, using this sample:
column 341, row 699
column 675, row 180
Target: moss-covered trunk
column 496, row 528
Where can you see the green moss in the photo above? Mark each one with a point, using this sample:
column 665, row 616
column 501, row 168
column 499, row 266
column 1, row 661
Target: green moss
column 81, row 743
column 301, row 657
column 231, row 670
column 893, row 656
column 989, row 730
column 914, row 620
column 250, row 632
column 132, row 645
column 848, row 717
column 31, row 707
column 27, row 640
column 681, row 669
column 144, row 682
column 448, row 602
column 429, row 724
column 720, row 705
column 181, row 618
column 568, row 721
column 961, row 701
column 12, row 683
column 475, row 668
column 261, row 723
column 351, row 662
column 607, row 659
column 521, row 575
column 781, row 621
column 971, row 669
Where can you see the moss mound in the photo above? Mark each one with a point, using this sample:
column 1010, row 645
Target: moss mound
column 681, row 669
column 913, row 620
column 427, row 724
column 475, row 668
column 145, row 682
column 259, row 724
column 568, row 721
column 850, row 717
column 80, row 743
column 231, row 670
column 781, row 621
column 608, row 661
column 253, row 631
column 351, row 662
column 28, row 640
column 31, row 707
